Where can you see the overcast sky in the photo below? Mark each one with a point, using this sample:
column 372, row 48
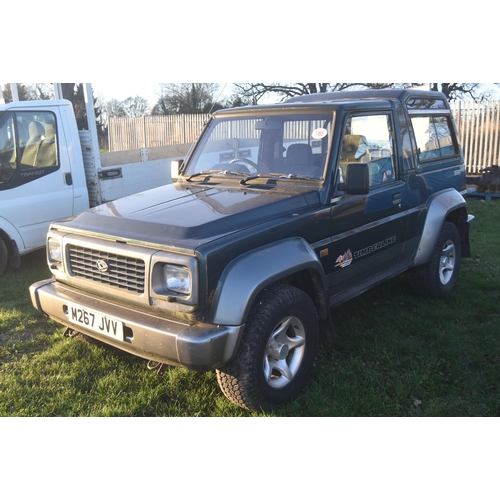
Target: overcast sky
column 120, row 91
column 148, row 90
column 151, row 91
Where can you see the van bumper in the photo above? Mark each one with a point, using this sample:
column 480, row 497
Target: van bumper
column 198, row 347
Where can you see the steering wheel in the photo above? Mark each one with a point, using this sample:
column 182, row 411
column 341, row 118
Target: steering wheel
column 253, row 167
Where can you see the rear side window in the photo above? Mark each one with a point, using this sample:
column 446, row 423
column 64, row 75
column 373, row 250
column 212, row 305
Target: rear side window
column 434, row 137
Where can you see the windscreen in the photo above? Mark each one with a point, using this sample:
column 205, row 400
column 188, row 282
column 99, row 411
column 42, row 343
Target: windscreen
column 288, row 145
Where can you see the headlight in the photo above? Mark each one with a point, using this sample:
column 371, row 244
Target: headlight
column 54, row 250
column 177, row 279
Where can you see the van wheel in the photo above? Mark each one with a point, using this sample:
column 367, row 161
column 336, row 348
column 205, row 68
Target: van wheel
column 4, row 255
column 276, row 352
column 440, row 274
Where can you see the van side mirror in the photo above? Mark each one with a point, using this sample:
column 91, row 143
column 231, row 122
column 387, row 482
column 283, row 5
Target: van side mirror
column 175, row 167
column 357, row 179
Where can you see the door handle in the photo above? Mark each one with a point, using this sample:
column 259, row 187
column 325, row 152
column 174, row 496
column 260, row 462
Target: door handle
column 68, row 178
column 396, row 199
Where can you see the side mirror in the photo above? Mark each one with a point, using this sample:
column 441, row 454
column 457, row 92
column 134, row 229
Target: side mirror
column 358, row 179
column 175, row 167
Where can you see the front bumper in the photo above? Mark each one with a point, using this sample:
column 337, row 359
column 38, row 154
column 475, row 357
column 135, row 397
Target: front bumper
column 199, row 347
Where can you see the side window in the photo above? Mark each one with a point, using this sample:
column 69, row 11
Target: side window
column 37, row 139
column 28, row 147
column 8, row 155
column 434, row 137
column 368, row 139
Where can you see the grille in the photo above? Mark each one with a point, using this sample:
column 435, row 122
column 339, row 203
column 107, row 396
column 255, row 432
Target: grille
column 107, row 268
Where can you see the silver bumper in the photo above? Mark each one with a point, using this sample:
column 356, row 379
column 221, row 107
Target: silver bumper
column 199, row 347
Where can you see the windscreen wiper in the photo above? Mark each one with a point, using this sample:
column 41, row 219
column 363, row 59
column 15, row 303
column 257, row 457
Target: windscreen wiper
column 279, row 176
column 208, row 173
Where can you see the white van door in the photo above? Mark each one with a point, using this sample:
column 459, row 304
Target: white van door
column 35, row 188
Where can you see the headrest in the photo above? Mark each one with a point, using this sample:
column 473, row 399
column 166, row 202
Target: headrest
column 299, row 154
column 35, row 129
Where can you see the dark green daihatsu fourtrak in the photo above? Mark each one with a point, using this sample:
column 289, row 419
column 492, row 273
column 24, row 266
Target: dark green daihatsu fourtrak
column 277, row 214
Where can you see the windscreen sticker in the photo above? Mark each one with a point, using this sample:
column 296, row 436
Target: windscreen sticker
column 319, row 133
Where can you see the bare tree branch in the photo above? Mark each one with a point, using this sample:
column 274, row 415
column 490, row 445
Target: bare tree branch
column 185, row 98
column 458, row 90
column 256, row 91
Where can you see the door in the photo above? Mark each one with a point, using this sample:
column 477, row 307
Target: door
column 34, row 191
column 368, row 230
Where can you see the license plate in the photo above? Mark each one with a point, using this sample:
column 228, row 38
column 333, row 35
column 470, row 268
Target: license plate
column 95, row 321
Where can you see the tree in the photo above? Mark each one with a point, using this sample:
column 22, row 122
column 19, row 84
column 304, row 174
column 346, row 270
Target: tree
column 186, row 98
column 256, row 91
column 21, row 91
column 135, row 107
column 460, row 90
column 29, row 92
column 68, row 91
column 236, row 100
column 114, row 109
column 39, row 91
column 109, row 109
column 132, row 107
column 76, row 95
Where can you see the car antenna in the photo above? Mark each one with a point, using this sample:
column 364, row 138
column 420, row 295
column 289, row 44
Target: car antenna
column 216, row 100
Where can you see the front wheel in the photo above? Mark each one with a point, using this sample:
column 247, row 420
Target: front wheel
column 440, row 274
column 276, row 352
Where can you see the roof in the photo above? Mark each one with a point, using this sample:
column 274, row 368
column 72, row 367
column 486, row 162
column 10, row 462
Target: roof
column 34, row 104
column 354, row 95
column 339, row 97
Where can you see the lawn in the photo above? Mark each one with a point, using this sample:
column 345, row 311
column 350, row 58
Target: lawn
column 394, row 355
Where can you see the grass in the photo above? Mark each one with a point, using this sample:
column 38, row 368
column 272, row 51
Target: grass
column 395, row 354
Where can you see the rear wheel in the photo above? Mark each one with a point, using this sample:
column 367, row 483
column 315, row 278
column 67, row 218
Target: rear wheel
column 276, row 352
column 440, row 274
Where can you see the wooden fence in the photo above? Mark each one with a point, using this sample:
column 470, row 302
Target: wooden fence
column 478, row 125
column 153, row 131
column 479, row 129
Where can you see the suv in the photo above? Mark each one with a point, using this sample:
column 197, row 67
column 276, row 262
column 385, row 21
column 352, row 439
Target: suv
column 278, row 213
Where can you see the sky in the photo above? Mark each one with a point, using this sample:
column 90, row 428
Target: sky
column 120, row 91
column 150, row 91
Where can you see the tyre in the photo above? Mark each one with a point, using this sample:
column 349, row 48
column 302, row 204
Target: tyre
column 4, row 255
column 276, row 352
column 440, row 274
